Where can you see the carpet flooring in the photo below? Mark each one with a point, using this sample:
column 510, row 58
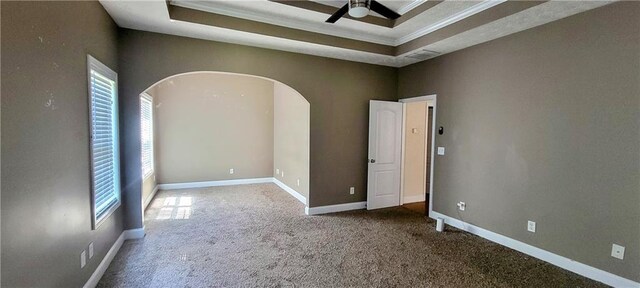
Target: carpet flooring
column 258, row 236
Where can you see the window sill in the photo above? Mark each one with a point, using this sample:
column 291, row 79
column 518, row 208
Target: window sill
column 106, row 216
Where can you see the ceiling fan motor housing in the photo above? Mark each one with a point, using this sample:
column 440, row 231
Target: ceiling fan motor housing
column 359, row 8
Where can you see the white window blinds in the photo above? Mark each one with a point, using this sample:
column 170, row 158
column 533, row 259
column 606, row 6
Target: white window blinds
column 146, row 134
column 105, row 158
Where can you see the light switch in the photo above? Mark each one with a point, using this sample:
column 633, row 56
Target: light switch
column 414, row 130
column 440, row 150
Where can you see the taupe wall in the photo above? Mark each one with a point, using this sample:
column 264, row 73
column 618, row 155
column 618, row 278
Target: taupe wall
column 209, row 123
column 291, row 138
column 338, row 92
column 46, row 209
column 414, row 180
column 544, row 125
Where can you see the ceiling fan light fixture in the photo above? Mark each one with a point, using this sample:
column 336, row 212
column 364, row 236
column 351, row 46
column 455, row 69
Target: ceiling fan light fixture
column 359, row 8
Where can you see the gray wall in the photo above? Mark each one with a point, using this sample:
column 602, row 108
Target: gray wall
column 46, row 208
column 544, row 125
column 338, row 92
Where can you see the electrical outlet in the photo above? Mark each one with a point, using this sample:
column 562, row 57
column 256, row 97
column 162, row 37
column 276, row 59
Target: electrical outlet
column 440, row 150
column 352, row 190
column 461, row 206
column 298, row 182
column 617, row 251
column 277, row 171
column 83, row 259
column 90, row 250
column 231, row 171
column 531, row 226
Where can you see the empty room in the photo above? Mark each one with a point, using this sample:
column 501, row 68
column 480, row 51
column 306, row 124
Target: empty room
column 320, row 143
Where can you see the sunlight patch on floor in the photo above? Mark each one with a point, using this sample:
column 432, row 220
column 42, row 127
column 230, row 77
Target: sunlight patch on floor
column 177, row 208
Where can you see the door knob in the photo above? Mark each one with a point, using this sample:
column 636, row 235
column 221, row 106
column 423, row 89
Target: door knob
column 372, row 160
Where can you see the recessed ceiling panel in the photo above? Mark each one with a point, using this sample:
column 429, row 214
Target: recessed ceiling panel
column 293, row 17
column 298, row 18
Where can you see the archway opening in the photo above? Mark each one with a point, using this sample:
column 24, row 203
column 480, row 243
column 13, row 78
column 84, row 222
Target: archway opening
column 204, row 129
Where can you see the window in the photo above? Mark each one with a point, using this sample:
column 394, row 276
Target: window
column 105, row 155
column 146, row 134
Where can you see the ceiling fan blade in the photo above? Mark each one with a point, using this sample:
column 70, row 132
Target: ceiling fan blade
column 338, row 14
column 383, row 10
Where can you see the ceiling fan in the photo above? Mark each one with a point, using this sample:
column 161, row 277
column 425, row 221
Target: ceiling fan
column 360, row 8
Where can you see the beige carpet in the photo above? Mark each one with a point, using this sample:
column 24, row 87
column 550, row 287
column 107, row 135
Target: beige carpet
column 258, row 236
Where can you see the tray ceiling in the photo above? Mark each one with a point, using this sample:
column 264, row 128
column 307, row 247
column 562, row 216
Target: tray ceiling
column 425, row 30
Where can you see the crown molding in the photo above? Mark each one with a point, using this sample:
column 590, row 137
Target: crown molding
column 291, row 23
column 475, row 9
column 410, row 6
column 302, row 25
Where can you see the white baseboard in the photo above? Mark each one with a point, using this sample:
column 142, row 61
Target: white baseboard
column 134, row 233
column 412, row 199
column 153, row 194
column 291, row 191
column 555, row 259
column 335, row 208
column 203, row 184
column 104, row 264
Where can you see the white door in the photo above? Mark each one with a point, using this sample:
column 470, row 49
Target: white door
column 385, row 143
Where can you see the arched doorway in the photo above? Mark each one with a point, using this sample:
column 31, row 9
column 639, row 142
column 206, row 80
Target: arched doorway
column 201, row 129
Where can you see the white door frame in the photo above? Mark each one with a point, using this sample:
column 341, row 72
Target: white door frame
column 432, row 98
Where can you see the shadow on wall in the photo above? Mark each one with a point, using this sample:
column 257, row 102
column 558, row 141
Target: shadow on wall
column 215, row 126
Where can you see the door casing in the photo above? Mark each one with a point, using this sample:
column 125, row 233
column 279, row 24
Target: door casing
column 433, row 99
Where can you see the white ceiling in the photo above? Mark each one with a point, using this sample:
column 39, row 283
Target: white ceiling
column 153, row 16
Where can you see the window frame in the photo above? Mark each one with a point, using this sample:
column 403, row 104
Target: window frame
column 147, row 97
column 94, row 65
